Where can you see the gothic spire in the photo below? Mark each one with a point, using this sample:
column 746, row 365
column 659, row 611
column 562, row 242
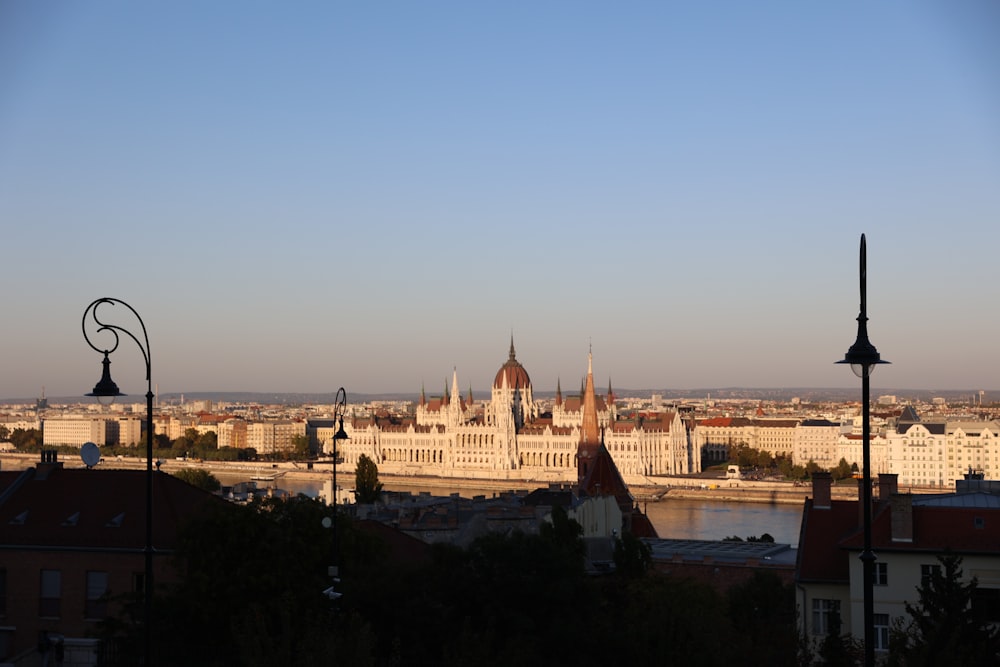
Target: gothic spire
column 590, row 433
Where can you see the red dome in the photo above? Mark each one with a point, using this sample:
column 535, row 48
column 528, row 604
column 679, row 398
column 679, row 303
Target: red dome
column 517, row 377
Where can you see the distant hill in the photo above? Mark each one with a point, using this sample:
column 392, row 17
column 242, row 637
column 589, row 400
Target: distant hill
column 806, row 394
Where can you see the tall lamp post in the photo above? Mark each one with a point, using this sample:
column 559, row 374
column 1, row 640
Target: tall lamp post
column 339, row 409
column 863, row 357
column 106, row 390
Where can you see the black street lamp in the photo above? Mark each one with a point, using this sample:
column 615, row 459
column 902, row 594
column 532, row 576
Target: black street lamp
column 863, row 357
column 339, row 409
column 106, row 390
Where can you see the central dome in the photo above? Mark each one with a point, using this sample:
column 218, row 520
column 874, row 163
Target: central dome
column 517, row 377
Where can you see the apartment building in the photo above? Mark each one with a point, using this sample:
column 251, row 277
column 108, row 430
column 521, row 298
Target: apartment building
column 909, row 532
column 75, row 430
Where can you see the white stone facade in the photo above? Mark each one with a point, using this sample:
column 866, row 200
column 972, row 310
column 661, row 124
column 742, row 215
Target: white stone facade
column 507, row 437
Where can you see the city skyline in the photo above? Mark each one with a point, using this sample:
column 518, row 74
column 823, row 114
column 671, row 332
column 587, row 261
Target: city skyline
column 296, row 199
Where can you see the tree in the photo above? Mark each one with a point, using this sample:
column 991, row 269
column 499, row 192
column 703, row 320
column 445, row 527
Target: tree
column 762, row 610
column 367, row 488
column 301, row 448
column 27, row 439
column 842, row 470
column 199, row 477
column 4, row 433
column 944, row 626
column 633, row 557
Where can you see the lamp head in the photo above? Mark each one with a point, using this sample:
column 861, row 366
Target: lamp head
column 106, row 390
column 341, row 434
column 862, row 356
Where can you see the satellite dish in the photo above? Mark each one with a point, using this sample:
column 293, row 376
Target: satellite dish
column 91, row 454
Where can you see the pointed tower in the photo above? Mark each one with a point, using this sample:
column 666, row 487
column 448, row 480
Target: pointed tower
column 423, row 397
column 590, row 434
column 455, row 406
column 468, row 401
column 558, row 393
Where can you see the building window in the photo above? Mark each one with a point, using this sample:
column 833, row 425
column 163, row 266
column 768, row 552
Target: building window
column 826, row 616
column 881, row 622
column 50, row 593
column 927, row 572
column 880, row 574
column 96, row 606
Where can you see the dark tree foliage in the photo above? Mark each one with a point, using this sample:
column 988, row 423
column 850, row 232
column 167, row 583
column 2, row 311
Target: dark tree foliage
column 199, row 477
column 251, row 583
column 838, row 649
column 633, row 557
column 762, row 610
column 26, row 439
column 366, row 484
column 842, row 470
column 944, row 628
column 250, row 591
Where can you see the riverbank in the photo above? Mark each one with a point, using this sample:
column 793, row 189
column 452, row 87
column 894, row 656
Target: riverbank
column 647, row 491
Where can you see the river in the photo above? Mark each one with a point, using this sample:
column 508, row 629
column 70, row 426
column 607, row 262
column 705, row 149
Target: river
column 675, row 518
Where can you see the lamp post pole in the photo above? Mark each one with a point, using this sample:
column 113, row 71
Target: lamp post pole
column 863, row 357
column 106, row 390
column 339, row 408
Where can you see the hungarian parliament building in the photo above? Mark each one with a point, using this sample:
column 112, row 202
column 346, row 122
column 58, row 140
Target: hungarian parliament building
column 509, row 437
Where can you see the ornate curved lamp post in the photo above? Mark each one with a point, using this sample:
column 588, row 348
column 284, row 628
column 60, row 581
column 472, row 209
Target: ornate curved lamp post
column 106, row 390
column 863, row 357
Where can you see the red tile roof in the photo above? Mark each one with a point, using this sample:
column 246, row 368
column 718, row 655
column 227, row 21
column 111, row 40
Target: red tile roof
column 820, row 557
column 55, row 507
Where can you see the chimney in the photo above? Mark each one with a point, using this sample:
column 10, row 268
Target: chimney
column 902, row 517
column 49, row 462
column 888, row 485
column 821, row 482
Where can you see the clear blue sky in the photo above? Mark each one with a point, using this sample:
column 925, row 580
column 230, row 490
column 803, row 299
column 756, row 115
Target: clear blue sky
column 298, row 196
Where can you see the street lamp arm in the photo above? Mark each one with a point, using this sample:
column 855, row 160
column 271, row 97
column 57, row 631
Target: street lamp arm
column 114, row 329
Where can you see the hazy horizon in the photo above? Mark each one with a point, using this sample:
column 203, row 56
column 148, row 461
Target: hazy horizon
column 301, row 197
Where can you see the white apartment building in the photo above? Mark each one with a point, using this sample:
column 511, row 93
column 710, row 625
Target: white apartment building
column 934, row 454
column 76, row 430
column 268, row 437
column 816, row 440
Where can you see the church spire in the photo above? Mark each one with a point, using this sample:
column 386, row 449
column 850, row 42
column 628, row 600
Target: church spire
column 511, row 357
column 558, row 392
column 590, row 433
column 423, row 397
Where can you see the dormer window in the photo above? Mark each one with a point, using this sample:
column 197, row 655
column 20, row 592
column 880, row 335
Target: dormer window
column 116, row 522
column 72, row 519
column 20, row 519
